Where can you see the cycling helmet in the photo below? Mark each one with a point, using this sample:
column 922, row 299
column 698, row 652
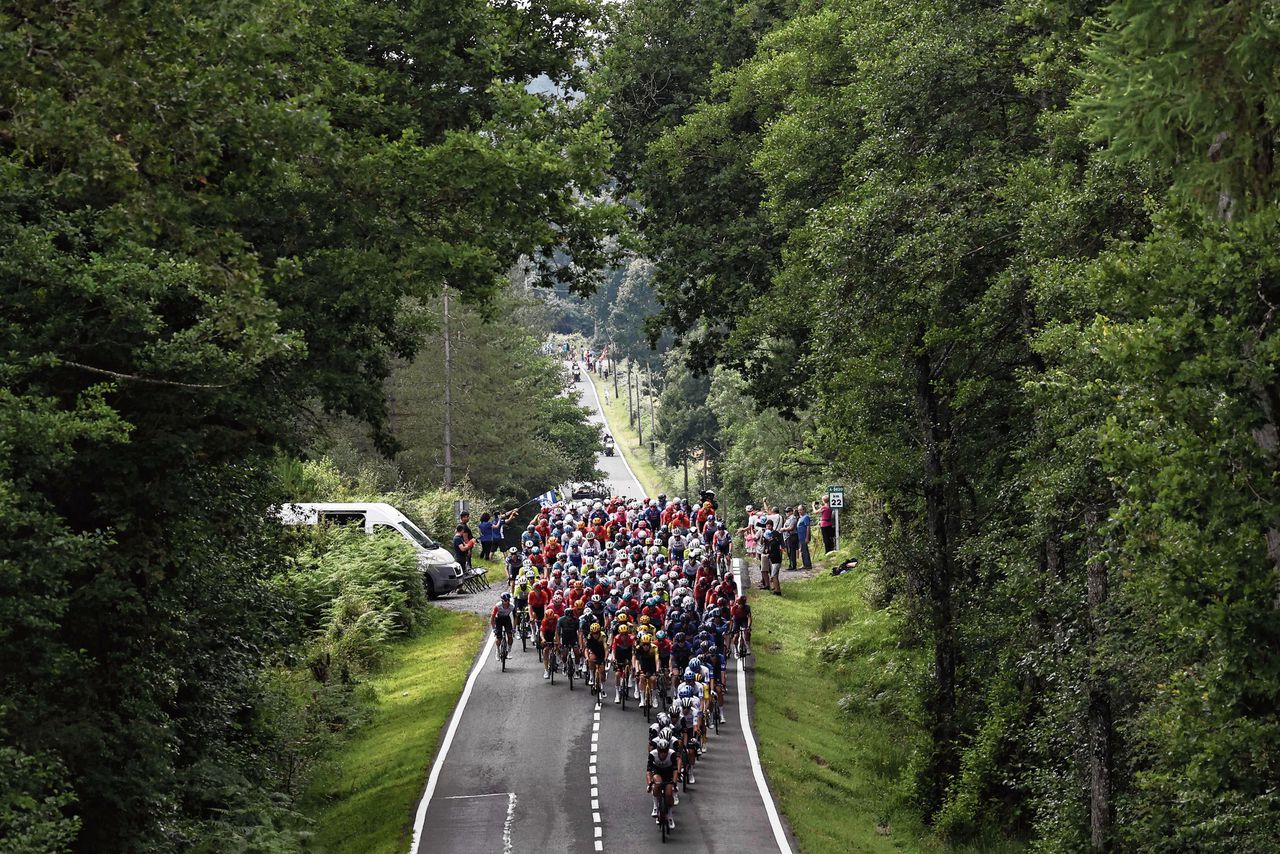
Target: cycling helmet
column 662, row 744
column 622, row 616
column 513, row 550
column 644, row 621
column 645, row 638
column 688, row 675
column 506, row 597
column 661, row 634
column 595, row 599
column 664, row 719
column 623, row 629
column 595, row 628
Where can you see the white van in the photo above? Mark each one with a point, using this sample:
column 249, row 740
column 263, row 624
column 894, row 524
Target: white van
column 441, row 572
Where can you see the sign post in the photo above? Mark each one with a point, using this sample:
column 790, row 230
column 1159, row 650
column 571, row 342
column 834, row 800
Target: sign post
column 835, row 497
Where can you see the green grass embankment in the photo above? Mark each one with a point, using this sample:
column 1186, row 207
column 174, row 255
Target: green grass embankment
column 831, row 684
column 363, row 797
column 655, row 477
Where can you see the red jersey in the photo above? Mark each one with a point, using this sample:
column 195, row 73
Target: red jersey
column 537, row 598
column 624, row 643
column 549, row 625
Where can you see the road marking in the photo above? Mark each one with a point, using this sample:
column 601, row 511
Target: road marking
column 779, row 835
column 595, row 784
column 506, row 827
column 485, row 795
column 420, row 818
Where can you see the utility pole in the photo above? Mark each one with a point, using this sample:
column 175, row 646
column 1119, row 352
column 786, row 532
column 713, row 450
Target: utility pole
column 648, row 369
column 686, row 473
column 631, row 414
column 639, row 413
column 448, row 401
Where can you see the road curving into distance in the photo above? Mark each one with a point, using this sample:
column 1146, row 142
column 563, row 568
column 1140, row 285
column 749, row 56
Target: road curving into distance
column 528, row 767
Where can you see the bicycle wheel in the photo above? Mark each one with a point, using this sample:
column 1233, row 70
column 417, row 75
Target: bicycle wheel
column 715, row 715
column 551, row 657
column 502, row 654
column 570, row 668
column 663, row 814
column 625, row 688
column 644, row 701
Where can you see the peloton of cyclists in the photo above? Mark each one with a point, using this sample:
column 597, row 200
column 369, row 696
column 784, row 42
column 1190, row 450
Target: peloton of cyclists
column 644, row 588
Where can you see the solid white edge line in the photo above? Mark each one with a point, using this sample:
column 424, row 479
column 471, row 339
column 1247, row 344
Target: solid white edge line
column 779, row 835
column 621, row 456
column 420, row 818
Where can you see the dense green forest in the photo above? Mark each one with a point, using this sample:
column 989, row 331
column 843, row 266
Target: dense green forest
column 222, row 227
column 1010, row 269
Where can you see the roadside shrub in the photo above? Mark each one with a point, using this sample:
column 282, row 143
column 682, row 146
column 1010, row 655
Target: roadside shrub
column 377, row 574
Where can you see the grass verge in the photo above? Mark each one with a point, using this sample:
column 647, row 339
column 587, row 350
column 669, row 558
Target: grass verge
column 655, row 478
column 363, row 797
column 831, row 719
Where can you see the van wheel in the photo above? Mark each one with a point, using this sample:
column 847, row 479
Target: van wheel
column 431, row 587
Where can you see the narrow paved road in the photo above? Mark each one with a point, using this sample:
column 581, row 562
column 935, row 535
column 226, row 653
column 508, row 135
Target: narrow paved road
column 530, row 767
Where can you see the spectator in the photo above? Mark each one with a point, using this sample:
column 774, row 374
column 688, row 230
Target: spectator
column 750, row 541
column 463, row 543
column 789, row 541
column 803, row 526
column 499, row 534
column 464, row 519
column 827, row 525
column 771, row 514
column 773, row 556
column 486, row 536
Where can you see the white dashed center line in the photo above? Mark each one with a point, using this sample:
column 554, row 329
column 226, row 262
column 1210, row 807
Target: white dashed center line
column 595, row 781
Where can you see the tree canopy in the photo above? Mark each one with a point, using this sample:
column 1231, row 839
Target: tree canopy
column 211, row 217
column 1010, row 269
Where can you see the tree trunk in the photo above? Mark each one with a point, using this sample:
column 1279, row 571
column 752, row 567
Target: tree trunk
column 1099, row 724
column 928, row 411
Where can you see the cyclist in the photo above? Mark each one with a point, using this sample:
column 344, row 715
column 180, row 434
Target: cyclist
column 621, row 648
column 660, row 776
column 514, row 563
column 567, row 635
column 723, row 543
column 646, row 668
column 538, row 599
column 522, row 599
column 688, row 712
column 501, row 621
column 594, row 645
column 548, row 630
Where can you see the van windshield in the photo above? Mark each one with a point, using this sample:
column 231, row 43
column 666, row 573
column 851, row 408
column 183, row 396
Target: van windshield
column 417, row 536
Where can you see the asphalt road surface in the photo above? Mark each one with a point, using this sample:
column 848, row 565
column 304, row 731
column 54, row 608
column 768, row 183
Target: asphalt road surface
column 527, row 767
